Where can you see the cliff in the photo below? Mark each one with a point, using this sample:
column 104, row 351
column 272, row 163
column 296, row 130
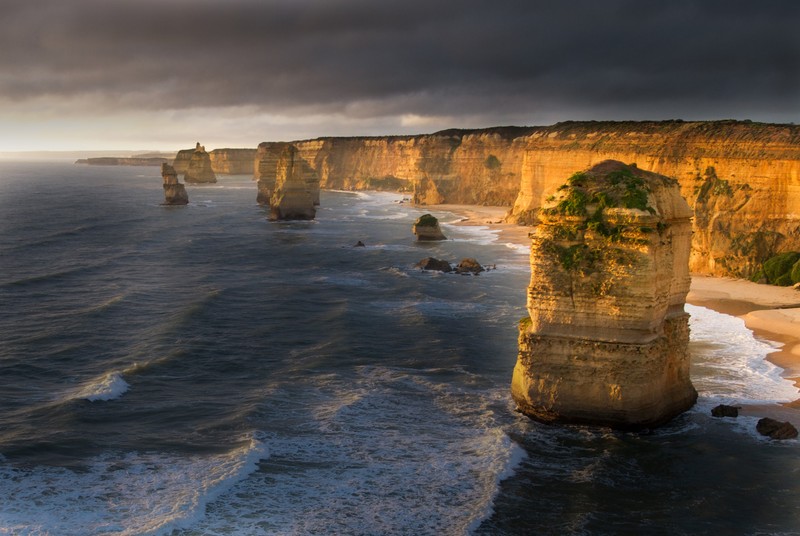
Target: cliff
column 232, row 161
column 123, row 161
column 199, row 170
column 223, row 161
column 741, row 178
column 606, row 339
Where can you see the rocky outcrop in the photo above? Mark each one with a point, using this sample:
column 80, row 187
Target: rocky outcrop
column 469, row 266
column 174, row 191
column 265, row 172
column 725, row 411
column 199, row 169
column 434, row 264
column 232, row 161
column 293, row 197
column 427, row 229
column 606, row 339
column 775, row 429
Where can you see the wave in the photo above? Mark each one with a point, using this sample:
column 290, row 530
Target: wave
column 139, row 493
column 102, row 389
column 729, row 365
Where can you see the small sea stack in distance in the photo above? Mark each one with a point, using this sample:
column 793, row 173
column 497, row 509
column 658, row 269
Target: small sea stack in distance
column 174, row 191
column 427, row 229
column 607, row 336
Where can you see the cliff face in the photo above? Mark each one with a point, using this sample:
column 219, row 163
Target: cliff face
column 199, row 168
column 606, row 341
column 232, row 161
column 741, row 178
column 223, row 161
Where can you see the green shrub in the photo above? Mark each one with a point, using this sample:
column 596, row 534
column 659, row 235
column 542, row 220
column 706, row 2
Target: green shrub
column 779, row 266
column 427, row 220
column 492, row 162
column 796, row 272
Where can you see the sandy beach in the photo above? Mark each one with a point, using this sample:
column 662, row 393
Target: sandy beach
column 772, row 313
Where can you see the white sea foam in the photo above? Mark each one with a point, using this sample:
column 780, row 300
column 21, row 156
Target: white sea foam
column 385, row 452
column 729, row 364
column 103, row 388
column 120, row 495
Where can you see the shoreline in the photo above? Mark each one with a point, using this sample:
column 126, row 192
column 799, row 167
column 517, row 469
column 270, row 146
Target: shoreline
column 771, row 313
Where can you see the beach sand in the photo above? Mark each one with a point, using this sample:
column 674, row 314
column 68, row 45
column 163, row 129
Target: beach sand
column 772, row 313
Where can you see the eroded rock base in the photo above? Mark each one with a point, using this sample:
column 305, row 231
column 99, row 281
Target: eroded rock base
column 624, row 386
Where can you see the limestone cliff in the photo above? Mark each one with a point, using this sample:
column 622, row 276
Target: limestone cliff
column 232, row 161
column 742, row 178
column 174, row 191
column 293, row 197
column 223, row 161
column 606, row 340
column 199, row 169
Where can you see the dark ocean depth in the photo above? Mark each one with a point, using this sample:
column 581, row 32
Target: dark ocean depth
column 199, row 370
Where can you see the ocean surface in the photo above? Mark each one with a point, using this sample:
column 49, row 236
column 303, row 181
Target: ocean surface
column 199, row 370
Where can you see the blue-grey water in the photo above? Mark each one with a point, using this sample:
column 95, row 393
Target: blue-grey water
column 199, row 370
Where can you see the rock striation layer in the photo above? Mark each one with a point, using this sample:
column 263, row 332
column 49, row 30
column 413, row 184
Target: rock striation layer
column 295, row 186
column 174, row 191
column 606, row 339
column 232, row 161
column 199, row 169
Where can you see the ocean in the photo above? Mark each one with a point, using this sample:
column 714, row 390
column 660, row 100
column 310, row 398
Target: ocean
column 199, row 370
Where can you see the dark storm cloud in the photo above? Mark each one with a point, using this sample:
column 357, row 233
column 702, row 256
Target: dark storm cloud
column 370, row 58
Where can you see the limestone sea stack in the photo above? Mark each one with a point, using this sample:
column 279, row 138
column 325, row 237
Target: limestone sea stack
column 606, row 340
column 291, row 199
column 199, row 169
column 426, row 228
column 174, row 191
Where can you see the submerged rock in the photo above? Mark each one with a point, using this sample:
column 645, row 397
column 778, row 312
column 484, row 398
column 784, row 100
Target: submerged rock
column 725, row 411
column 776, row 429
column 199, row 168
column 430, row 263
column 174, row 191
column 469, row 266
column 426, row 228
column 606, row 341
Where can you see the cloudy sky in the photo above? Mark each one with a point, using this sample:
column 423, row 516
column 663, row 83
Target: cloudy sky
column 162, row 74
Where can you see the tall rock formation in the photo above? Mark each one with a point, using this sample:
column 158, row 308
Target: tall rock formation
column 265, row 171
column 174, row 191
column 606, row 341
column 199, row 169
column 293, row 197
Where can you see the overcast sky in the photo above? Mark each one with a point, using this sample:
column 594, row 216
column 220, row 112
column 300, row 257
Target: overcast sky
column 162, row 74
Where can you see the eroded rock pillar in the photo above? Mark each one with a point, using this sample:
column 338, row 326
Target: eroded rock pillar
column 606, row 338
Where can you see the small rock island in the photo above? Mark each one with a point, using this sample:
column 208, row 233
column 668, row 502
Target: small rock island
column 174, row 191
column 606, row 340
column 426, row 229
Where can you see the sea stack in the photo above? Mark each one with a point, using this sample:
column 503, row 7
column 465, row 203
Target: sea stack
column 606, row 340
column 265, row 169
column 174, row 191
column 426, row 228
column 199, row 169
column 292, row 198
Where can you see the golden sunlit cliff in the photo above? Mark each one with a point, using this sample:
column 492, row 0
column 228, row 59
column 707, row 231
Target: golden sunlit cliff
column 742, row 179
